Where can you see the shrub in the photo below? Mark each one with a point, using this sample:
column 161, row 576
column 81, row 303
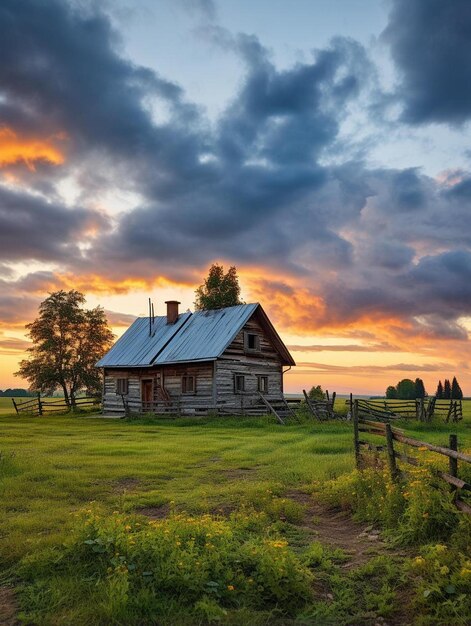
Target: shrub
column 417, row 510
column 132, row 568
column 442, row 580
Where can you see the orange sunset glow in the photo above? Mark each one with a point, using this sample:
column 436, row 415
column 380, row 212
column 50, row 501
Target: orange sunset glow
column 15, row 149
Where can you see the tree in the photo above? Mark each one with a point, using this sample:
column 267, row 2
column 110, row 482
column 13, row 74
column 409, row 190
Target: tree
column 406, row 389
column 316, row 393
column 456, row 392
column 67, row 342
column 447, row 390
column 420, row 388
column 391, row 392
column 16, row 393
column 219, row 290
column 439, row 392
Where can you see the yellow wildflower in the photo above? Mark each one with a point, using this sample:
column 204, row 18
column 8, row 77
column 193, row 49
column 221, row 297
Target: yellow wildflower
column 230, row 587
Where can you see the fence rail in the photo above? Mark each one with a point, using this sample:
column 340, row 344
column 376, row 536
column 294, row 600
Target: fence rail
column 392, row 435
column 37, row 406
column 421, row 409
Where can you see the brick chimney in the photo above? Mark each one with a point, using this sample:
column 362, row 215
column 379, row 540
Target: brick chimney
column 172, row 311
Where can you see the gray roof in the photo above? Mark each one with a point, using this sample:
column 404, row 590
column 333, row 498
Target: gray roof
column 206, row 334
column 136, row 348
column 200, row 336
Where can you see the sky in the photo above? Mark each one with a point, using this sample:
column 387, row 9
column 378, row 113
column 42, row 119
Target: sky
column 320, row 146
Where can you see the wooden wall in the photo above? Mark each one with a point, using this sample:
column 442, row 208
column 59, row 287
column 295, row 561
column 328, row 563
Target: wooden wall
column 237, row 360
column 171, row 377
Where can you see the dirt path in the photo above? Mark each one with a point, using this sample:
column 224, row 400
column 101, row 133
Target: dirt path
column 360, row 542
column 8, row 607
column 337, row 529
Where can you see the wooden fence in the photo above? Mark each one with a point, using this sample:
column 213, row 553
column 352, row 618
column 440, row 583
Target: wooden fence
column 393, row 435
column 38, row 406
column 421, row 409
column 322, row 409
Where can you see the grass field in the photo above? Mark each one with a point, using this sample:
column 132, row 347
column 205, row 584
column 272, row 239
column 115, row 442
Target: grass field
column 237, row 471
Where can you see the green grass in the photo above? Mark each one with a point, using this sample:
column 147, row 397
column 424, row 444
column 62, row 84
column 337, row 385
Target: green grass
column 53, row 467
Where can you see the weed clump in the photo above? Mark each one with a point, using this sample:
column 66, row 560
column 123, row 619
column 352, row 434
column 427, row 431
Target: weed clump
column 133, row 569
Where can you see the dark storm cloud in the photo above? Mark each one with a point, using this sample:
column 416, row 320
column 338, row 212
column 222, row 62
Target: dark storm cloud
column 31, row 228
column 261, row 174
column 431, row 45
column 263, row 186
column 61, row 71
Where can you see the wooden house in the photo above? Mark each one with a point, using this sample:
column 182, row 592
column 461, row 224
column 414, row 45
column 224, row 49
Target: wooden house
column 223, row 360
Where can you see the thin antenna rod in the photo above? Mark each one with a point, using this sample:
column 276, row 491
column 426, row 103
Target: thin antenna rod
column 153, row 316
column 150, row 319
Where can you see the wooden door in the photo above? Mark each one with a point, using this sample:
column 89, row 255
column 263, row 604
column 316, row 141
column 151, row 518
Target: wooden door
column 147, row 394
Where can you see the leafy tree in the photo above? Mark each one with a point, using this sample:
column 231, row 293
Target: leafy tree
column 456, row 392
column 406, row 389
column 420, row 388
column 391, row 392
column 316, row 393
column 447, row 389
column 219, row 289
column 67, row 342
column 439, row 392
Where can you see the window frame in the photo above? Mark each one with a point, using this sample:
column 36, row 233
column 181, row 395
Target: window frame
column 239, row 377
column 261, row 377
column 184, row 385
column 247, row 347
column 122, row 382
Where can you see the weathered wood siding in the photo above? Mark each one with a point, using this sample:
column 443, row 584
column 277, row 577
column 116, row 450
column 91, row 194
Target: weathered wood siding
column 171, row 377
column 203, row 373
column 238, row 360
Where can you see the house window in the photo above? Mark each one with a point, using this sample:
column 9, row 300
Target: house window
column 252, row 342
column 121, row 386
column 239, row 383
column 188, row 384
column 262, row 384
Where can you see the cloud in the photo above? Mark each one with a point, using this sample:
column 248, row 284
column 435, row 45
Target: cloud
column 15, row 149
column 431, row 47
column 376, row 369
column 119, row 319
column 326, row 242
column 376, row 347
column 10, row 346
column 33, row 228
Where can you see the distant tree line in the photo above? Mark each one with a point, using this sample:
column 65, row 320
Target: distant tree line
column 16, row 393
column 449, row 390
column 407, row 389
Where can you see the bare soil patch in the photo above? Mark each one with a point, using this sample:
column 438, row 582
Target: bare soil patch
column 238, row 473
column 126, row 484
column 8, row 607
column 155, row 512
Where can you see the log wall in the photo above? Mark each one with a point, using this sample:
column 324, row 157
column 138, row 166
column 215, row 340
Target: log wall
column 238, row 360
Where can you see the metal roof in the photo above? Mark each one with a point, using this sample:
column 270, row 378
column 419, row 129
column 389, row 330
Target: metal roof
column 136, row 348
column 200, row 336
column 206, row 334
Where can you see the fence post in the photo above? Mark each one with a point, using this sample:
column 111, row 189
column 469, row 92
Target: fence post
column 356, row 436
column 453, row 463
column 40, row 406
column 391, row 455
column 14, row 404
